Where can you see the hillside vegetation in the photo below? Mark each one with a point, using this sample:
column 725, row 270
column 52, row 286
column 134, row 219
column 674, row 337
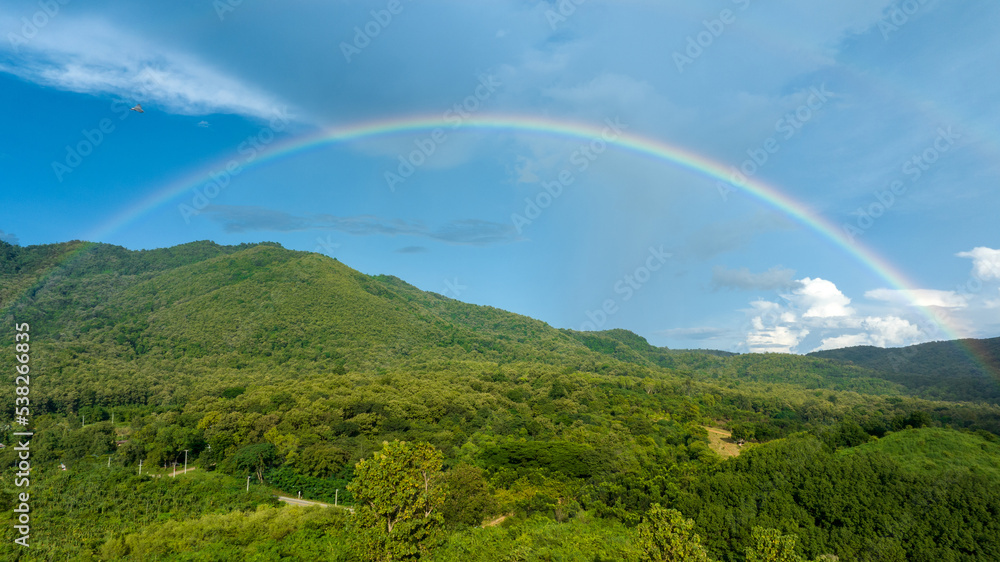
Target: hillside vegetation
column 292, row 370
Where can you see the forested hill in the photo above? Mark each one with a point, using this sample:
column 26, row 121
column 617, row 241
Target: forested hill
column 259, row 305
column 251, row 300
column 286, row 371
column 944, row 369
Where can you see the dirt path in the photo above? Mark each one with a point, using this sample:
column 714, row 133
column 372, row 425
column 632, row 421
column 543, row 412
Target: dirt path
column 721, row 441
column 497, row 521
column 304, row 503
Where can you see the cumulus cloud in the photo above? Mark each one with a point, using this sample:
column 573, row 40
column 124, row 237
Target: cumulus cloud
column 985, row 262
column 890, row 330
column 880, row 331
column 816, row 309
column 777, row 339
column 821, row 299
column 772, row 279
column 919, row 297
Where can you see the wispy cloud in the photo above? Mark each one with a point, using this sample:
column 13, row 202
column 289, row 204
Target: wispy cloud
column 919, row 297
column 723, row 237
column 772, row 279
column 412, row 250
column 92, row 56
column 471, row 232
column 697, row 333
column 9, row 237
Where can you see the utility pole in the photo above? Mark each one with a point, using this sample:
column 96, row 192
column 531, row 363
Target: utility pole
column 248, row 484
column 112, row 418
column 185, row 461
column 84, row 422
column 140, row 467
column 109, row 461
column 336, row 497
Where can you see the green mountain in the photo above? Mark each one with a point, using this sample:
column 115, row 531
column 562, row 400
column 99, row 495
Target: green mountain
column 287, row 368
column 936, row 451
column 951, row 370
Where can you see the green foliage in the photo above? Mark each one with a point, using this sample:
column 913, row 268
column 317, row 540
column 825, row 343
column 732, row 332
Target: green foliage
column 399, row 492
column 937, row 451
column 769, row 545
column 293, row 367
column 572, row 459
column 470, row 500
column 665, row 536
column 267, row 533
column 948, row 370
column 857, row 504
column 333, row 489
column 253, row 459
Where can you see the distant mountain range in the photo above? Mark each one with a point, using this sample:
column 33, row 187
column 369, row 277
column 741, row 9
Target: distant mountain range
column 236, row 306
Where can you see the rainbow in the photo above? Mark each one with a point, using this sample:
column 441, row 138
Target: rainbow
column 635, row 143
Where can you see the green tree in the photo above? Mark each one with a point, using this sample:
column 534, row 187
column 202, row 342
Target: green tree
column 254, row 459
column 469, row 499
column 399, row 491
column 769, row 545
column 666, row 536
column 742, row 431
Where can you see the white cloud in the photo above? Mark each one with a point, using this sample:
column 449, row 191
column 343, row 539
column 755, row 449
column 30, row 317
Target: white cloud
column 779, row 339
column 890, row 330
column 768, row 332
column 846, row 340
column 919, row 297
column 94, row 57
column 821, row 299
column 985, row 262
column 817, row 308
column 879, row 331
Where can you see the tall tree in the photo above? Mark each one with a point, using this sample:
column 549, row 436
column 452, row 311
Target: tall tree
column 399, row 491
column 666, row 536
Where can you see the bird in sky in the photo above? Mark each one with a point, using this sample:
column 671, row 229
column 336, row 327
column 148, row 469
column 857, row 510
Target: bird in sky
column 138, row 108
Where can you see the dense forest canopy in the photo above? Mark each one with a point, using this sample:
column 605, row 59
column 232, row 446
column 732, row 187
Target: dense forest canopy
column 281, row 372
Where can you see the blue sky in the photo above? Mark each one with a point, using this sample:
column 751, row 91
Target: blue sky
column 852, row 100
